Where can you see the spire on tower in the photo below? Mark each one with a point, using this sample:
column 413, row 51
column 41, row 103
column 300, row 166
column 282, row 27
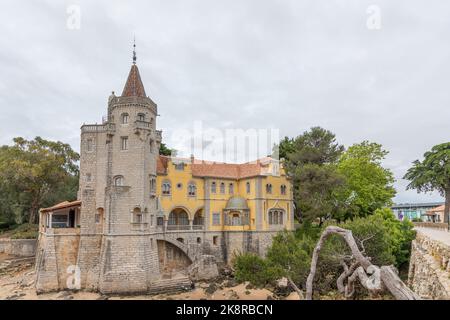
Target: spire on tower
column 134, row 50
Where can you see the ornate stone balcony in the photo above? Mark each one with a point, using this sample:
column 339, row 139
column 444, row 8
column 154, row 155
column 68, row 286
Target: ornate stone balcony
column 106, row 127
column 143, row 125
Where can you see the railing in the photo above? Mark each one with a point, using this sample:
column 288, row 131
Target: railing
column 181, row 227
column 98, row 127
column 171, row 227
column 140, row 124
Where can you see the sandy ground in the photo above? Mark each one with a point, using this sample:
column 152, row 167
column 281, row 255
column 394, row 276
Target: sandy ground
column 19, row 285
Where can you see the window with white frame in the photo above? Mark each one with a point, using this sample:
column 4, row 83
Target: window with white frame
column 192, row 189
column 231, row 188
column 247, row 187
column 124, row 118
column 213, row 187
column 222, row 187
column 141, row 117
column 166, row 187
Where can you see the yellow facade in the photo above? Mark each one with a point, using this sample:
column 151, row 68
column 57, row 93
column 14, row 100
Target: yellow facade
column 212, row 206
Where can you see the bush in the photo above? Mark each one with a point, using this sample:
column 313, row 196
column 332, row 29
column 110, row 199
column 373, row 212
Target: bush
column 253, row 268
column 25, row 231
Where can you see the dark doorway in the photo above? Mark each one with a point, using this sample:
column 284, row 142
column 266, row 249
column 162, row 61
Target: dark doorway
column 72, row 219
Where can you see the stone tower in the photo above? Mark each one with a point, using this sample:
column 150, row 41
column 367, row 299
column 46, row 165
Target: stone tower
column 117, row 252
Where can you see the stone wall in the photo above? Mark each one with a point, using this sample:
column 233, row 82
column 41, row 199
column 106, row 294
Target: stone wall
column 18, row 247
column 429, row 269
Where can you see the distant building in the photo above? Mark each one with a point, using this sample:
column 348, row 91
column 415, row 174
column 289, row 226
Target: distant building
column 414, row 210
column 435, row 215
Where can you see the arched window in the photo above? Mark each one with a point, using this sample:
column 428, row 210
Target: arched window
column 141, row 117
column 192, row 189
column 118, row 181
column 248, row 187
column 222, row 187
column 283, row 189
column 276, row 216
column 137, row 216
column 231, row 188
column 124, row 118
column 166, row 187
column 213, row 187
column 269, row 188
column 152, row 146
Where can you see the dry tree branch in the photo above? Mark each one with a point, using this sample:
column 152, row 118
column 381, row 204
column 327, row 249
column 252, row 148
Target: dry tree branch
column 372, row 277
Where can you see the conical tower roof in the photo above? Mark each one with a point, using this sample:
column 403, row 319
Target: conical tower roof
column 133, row 86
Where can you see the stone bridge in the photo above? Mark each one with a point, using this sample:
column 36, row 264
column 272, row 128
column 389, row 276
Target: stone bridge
column 429, row 268
column 187, row 241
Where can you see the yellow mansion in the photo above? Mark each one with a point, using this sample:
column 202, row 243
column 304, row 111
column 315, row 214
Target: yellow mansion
column 203, row 195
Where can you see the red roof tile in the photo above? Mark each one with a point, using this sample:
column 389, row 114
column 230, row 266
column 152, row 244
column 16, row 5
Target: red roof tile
column 134, row 86
column 63, row 205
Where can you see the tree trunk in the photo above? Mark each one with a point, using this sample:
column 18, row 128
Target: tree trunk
column 447, row 208
column 370, row 276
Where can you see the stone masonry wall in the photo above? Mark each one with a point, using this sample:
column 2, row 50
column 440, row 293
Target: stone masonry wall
column 18, row 247
column 429, row 270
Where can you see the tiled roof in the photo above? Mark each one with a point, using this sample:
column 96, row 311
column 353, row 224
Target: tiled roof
column 63, row 205
column 219, row 170
column 161, row 165
column 134, row 86
column 437, row 209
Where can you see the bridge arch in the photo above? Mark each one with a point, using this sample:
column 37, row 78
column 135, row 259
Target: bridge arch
column 173, row 256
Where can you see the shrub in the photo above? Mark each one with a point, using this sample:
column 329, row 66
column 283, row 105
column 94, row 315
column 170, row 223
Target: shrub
column 25, row 231
column 253, row 268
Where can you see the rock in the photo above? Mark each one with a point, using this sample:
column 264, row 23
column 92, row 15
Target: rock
column 211, row 288
column 230, row 283
column 232, row 295
column 247, row 292
column 203, row 285
column 103, row 297
column 249, row 286
column 63, row 294
column 269, row 297
column 282, row 283
column 68, row 298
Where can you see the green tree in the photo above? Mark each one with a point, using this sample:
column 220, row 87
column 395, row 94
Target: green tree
column 164, row 151
column 285, row 147
column 38, row 170
column 368, row 186
column 311, row 163
column 433, row 174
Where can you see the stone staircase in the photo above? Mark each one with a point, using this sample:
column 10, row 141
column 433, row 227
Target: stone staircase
column 15, row 262
column 174, row 285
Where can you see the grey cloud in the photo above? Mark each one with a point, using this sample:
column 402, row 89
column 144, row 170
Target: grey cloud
column 248, row 64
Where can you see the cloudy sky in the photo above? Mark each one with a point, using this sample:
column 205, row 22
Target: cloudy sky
column 366, row 70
